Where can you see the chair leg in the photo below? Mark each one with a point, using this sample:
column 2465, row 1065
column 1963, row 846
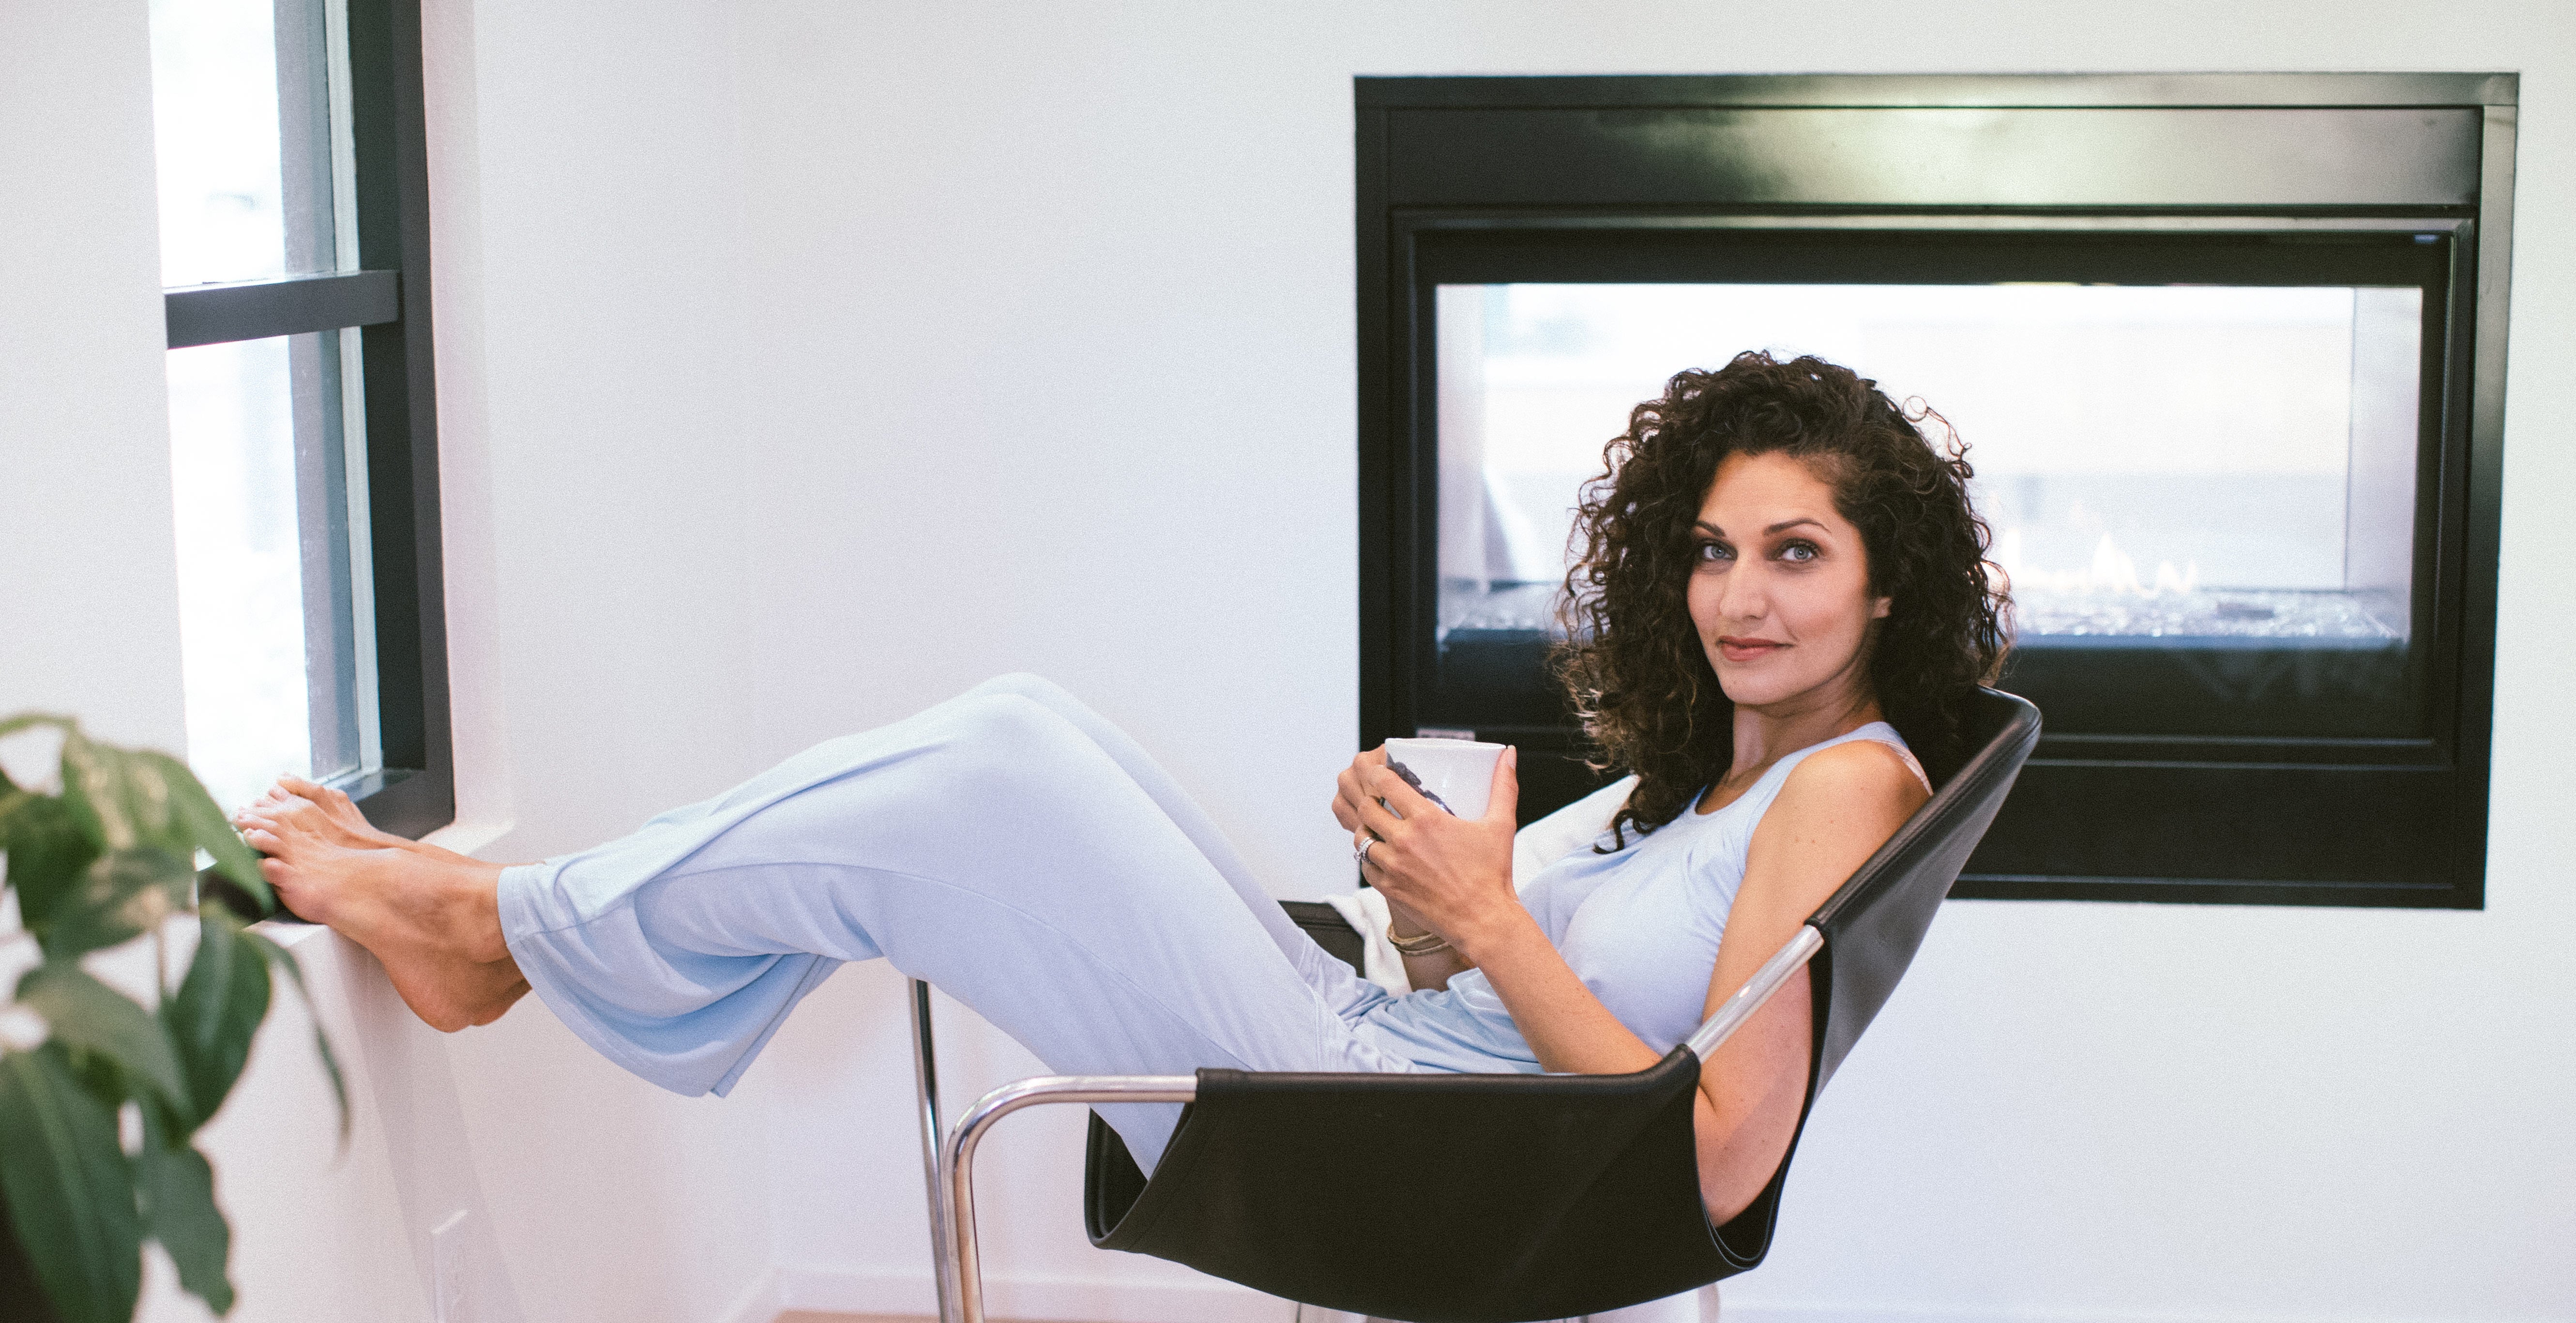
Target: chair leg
column 925, row 1072
column 960, row 1261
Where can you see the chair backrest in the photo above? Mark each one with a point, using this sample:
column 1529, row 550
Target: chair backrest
column 1522, row 1196
column 1875, row 922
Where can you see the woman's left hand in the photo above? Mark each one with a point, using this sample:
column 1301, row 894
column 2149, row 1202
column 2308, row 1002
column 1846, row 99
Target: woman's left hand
column 1453, row 873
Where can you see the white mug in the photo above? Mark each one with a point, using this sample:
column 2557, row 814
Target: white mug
column 1458, row 775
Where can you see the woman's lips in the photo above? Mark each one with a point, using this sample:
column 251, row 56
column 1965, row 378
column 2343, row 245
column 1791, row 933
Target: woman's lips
column 1745, row 650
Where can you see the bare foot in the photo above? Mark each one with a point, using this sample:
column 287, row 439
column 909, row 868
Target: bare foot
column 327, row 813
column 431, row 916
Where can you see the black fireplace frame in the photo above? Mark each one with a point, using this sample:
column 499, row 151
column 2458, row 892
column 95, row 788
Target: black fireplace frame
column 1617, row 165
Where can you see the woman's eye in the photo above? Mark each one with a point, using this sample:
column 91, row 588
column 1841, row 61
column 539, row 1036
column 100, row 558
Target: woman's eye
column 1713, row 551
column 1799, row 553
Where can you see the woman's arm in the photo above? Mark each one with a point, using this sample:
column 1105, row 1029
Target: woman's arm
column 1430, row 969
column 1837, row 808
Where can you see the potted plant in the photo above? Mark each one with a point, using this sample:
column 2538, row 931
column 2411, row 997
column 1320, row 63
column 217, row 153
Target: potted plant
column 101, row 1094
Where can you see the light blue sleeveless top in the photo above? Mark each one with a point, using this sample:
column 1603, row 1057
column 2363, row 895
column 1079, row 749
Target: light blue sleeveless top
column 1640, row 926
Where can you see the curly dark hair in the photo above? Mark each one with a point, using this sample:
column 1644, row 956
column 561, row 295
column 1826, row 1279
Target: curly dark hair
column 1632, row 660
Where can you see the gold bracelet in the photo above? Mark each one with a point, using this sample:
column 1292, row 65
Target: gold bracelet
column 1424, row 945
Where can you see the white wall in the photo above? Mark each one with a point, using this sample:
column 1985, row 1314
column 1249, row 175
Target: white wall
column 586, row 213
column 89, row 576
column 804, row 363
column 1097, row 266
column 587, row 1196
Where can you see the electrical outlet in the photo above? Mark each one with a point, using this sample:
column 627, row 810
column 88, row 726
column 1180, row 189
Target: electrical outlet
column 450, row 1299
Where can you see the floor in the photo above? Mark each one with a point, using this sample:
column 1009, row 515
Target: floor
column 805, row 1316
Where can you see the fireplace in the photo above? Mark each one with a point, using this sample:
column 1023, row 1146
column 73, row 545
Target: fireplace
column 2235, row 431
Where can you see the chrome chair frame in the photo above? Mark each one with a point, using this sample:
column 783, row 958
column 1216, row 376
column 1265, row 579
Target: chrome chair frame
column 952, row 1171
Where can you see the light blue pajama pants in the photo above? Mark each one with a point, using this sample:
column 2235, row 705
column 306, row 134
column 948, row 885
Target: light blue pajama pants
column 1010, row 846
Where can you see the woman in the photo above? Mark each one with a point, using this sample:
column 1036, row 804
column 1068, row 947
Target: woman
column 1777, row 566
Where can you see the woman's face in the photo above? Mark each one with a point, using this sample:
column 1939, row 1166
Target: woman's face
column 1779, row 587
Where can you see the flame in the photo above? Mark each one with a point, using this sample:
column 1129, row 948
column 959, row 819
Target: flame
column 2112, row 571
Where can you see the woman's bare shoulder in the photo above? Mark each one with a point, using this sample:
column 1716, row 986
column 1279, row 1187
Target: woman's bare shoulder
column 1837, row 807
column 1865, row 770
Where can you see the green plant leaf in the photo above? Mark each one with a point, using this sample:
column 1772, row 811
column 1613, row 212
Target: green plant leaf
column 89, row 1016
column 213, row 1015
column 200, row 825
column 20, row 1296
column 120, row 806
column 119, row 897
column 121, row 799
column 178, row 1190
column 129, row 798
column 11, row 725
column 47, row 851
column 70, row 1191
column 283, row 959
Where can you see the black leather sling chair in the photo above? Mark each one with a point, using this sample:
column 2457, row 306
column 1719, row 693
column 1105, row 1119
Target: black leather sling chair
column 1552, row 1196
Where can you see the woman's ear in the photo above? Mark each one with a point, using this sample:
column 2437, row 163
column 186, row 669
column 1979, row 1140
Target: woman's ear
column 1878, row 607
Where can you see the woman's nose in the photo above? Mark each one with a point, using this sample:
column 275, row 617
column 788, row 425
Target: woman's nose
column 1744, row 596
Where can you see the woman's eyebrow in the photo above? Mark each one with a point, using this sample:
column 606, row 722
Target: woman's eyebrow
column 1714, row 531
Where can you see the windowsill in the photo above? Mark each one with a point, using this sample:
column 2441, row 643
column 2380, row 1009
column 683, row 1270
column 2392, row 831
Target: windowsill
column 288, row 931
column 462, row 837
column 468, row 837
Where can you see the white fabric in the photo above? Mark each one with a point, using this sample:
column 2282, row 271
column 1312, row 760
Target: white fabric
column 1534, row 847
column 1009, row 846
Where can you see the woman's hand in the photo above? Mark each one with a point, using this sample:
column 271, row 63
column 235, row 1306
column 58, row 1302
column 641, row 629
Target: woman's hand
column 1347, row 795
column 1453, row 874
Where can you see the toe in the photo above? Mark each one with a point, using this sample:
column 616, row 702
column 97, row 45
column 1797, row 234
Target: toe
column 323, row 798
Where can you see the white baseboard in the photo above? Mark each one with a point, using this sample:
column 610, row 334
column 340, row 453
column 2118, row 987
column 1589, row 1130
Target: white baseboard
column 1042, row 1299
column 1012, row 1296
column 1739, row 1311
column 761, row 1303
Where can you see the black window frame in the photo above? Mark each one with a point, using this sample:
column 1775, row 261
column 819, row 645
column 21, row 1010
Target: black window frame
column 1439, row 158
column 388, row 300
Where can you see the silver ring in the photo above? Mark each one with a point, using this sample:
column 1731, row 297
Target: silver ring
column 1361, row 854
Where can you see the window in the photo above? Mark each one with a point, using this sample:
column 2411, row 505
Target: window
column 2227, row 349
column 303, row 457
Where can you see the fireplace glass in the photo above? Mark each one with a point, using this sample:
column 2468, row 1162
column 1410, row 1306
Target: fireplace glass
column 2204, row 497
